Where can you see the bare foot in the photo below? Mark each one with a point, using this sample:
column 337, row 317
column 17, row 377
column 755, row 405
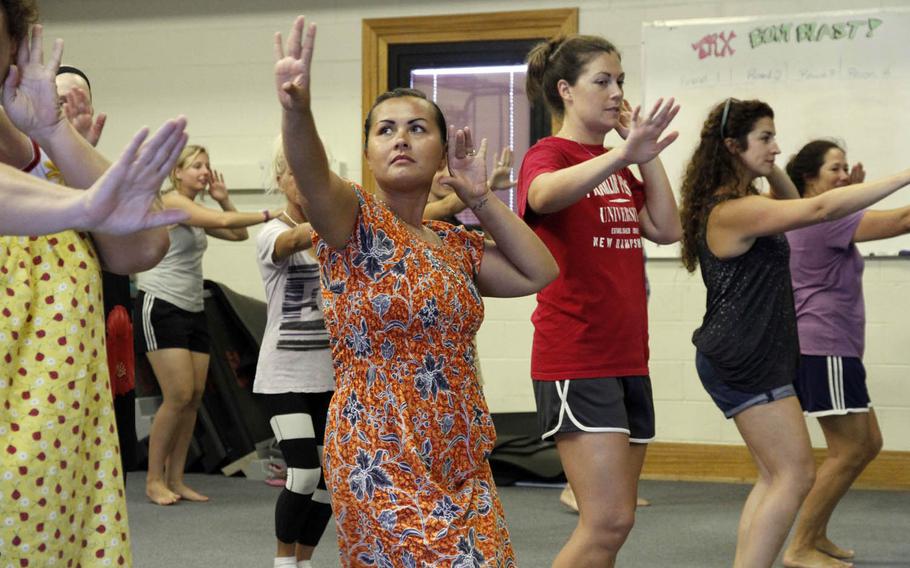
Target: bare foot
column 812, row 559
column 642, row 503
column 186, row 493
column 158, row 493
column 833, row 550
column 567, row 498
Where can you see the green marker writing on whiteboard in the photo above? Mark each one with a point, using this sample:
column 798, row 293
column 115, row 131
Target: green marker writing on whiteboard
column 813, row 32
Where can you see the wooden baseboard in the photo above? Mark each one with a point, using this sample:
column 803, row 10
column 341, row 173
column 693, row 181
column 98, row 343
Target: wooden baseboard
column 727, row 463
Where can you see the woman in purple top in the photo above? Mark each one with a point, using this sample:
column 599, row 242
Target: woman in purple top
column 827, row 270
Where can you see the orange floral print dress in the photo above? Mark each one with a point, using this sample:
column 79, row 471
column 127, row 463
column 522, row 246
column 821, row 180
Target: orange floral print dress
column 408, row 431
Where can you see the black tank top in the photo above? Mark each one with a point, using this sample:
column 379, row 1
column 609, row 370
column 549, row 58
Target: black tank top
column 749, row 331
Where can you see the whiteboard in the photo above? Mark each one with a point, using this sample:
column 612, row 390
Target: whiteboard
column 842, row 75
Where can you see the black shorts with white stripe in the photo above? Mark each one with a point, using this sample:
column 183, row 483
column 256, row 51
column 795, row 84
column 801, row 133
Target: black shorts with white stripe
column 827, row 385
column 621, row 405
column 162, row 325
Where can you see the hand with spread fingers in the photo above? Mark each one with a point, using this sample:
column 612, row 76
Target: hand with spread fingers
column 501, row 177
column 643, row 140
column 216, row 188
column 123, row 200
column 77, row 108
column 292, row 68
column 30, row 91
column 467, row 168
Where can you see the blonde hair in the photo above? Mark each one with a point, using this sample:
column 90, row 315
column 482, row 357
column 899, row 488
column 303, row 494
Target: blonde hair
column 280, row 164
column 189, row 153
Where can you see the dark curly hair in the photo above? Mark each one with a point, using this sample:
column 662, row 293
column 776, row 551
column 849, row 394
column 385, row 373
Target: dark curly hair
column 19, row 16
column 561, row 58
column 806, row 163
column 713, row 168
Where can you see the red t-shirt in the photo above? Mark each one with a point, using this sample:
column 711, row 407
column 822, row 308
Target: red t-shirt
column 592, row 321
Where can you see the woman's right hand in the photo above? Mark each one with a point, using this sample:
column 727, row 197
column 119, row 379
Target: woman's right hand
column 292, row 71
column 643, row 142
column 125, row 199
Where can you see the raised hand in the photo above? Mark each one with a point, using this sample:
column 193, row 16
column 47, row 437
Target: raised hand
column 292, row 70
column 125, row 199
column 77, row 108
column 625, row 120
column 467, row 168
column 501, row 176
column 30, row 92
column 857, row 173
column 643, row 142
column 216, row 188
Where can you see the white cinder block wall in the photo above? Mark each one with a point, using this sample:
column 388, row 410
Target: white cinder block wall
column 213, row 62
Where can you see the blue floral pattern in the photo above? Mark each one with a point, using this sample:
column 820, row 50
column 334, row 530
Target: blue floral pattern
column 408, row 428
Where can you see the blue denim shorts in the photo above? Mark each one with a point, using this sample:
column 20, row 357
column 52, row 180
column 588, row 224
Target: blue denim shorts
column 730, row 400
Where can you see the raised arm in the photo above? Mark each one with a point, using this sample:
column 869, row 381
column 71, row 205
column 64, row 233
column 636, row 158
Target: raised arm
column 328, row 201
column 781, row 185
column 517, row 263
column 734, row 225
column 659, row 219
column 554, row 191
column 30, row 100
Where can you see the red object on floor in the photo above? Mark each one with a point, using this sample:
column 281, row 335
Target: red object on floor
column 120, row 355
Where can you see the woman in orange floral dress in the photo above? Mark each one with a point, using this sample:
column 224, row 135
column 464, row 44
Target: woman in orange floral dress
column 408, row 431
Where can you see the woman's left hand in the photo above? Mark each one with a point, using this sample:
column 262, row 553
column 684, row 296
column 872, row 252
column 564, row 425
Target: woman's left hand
column 30, row 91
column 467, row 168
column 625, row 120
column 217, row 189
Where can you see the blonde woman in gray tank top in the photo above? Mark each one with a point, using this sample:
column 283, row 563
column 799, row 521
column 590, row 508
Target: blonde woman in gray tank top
column 171, row 323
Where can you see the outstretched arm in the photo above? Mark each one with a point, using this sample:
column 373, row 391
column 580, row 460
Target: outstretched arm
column 328, row 201
column 517, row 263
column 554, row 191
column 120, row 202
column 734, row 225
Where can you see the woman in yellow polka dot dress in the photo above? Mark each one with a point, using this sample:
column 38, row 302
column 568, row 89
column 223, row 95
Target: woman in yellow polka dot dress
column 61, row 490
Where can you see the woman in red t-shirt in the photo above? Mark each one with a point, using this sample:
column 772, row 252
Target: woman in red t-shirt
column 590, row 353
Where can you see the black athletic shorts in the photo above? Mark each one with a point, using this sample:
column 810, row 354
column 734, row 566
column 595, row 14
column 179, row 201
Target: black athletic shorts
column 162, row 325
column 615, row 404
column 828, row 385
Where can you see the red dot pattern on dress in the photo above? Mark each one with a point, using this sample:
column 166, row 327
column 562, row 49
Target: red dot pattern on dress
column 59, row 478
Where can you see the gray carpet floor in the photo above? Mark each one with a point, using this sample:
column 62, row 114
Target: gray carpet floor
column 688, row 525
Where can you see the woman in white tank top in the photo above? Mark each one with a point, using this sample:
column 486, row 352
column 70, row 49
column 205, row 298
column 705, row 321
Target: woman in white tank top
column 172, row 324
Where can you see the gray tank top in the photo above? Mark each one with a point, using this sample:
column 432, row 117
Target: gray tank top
column 178, row 277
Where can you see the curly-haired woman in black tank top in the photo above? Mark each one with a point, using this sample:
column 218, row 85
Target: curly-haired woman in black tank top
column 748, row 349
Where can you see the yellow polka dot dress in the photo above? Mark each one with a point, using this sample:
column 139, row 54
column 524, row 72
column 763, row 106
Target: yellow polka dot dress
column 61, row 489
